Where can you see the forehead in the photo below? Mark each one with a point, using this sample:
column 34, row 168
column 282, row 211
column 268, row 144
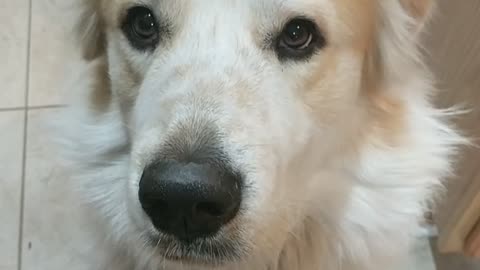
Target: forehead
column 182, row 4
column 338, row 18
column 266, row 8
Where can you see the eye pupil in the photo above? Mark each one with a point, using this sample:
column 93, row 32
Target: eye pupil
column 296, row 35
column 145, row 25
column 299, row 39
column 141, row 28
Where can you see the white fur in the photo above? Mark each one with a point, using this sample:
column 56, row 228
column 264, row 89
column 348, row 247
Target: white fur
column 313, row 205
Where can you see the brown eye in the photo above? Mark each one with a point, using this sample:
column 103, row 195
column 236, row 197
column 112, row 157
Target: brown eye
column 299, row 39
column 141, row 28
column 297, row 35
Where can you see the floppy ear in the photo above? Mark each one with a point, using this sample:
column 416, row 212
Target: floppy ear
column 399, row 26
column 90, row 30
column 419, row 10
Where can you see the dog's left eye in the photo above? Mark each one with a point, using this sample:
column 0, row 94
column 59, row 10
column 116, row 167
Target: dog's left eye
column 141, row 28
column 299, row 39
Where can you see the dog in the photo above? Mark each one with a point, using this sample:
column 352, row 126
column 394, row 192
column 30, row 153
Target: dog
column 256, row 134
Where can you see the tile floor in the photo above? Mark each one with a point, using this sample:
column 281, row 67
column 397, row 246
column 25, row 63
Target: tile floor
column 37, row 229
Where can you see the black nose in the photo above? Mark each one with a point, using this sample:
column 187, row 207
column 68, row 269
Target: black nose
column 189, row 200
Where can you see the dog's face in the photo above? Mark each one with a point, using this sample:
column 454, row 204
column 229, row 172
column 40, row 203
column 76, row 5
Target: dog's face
column 243, row 116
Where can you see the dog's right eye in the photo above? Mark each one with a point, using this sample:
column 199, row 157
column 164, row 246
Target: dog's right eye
column 141, row 28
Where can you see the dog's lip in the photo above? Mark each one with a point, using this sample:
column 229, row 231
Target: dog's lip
column 194, row 260
column 191, row 254
column 190, row 260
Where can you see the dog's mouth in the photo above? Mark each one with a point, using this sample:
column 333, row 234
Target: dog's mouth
column 207, row 252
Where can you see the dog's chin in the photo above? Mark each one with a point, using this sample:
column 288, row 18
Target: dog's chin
column 206, row 252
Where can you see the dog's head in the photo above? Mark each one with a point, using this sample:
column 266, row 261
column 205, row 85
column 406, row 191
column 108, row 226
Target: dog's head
column 248, row 121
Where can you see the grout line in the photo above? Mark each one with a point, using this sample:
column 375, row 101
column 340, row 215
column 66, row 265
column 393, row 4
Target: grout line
column 12, row 109
column 30, row 108
column 33, row 108
column 25, row 131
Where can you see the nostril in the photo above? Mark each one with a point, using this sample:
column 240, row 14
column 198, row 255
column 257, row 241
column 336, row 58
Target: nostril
column 209, row 209
column 156, row 205
column 161, row 206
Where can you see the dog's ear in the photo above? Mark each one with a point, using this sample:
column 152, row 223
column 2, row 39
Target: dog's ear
column 419, row 10
column 90, row 30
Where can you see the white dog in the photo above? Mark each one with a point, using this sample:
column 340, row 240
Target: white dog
column 256, row 134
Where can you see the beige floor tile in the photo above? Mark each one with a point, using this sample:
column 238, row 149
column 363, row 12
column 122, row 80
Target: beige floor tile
column 11, row 148
column 53, row 56
column 58, row 234
column 13, row 52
